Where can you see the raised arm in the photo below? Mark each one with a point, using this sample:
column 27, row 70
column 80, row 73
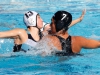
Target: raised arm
column 79, row 19
column 47, row 26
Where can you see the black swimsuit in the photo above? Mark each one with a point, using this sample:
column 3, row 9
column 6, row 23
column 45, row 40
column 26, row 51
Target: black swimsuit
column 66, row 46
column 17, row 48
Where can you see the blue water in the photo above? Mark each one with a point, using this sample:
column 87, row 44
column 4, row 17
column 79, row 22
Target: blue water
column 11, row 16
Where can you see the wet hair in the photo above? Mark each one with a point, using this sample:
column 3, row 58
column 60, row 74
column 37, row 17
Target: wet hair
column 62, row 20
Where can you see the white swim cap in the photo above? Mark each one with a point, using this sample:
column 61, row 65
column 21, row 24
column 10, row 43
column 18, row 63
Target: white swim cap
column 30, row 18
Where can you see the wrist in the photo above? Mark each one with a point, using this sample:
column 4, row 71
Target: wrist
column 80, row 19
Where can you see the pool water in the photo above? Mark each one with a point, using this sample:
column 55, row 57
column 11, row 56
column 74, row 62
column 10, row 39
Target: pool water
column 11, row 16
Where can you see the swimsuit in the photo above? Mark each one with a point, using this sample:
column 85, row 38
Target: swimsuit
column 28, row 45
column 66, row 46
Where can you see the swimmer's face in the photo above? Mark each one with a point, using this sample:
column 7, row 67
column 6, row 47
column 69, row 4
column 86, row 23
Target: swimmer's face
column 39, row 22
column 53, row 28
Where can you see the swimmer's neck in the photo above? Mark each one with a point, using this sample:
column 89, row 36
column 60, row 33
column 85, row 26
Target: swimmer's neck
column 32, row 29
column 62, row 35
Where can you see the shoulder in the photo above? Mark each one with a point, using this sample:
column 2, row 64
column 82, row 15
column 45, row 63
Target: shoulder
column 51, row 37
column 78, row 38
column 77, row 43
column 53, row 40
column 81, row 41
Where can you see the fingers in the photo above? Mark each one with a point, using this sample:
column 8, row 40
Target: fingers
column 83, row 13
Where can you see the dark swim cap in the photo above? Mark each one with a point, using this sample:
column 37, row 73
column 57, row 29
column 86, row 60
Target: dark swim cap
column 62, row 20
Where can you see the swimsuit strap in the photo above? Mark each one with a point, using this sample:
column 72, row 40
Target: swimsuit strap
column 65, row 42
column 18, row 48
column 30, row 36
column 66, row 46
column 40, row 34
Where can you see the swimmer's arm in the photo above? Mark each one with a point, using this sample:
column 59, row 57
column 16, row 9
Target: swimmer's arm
column 79, row 19
column 47, row 26
column 89, row 43
column 12, row 33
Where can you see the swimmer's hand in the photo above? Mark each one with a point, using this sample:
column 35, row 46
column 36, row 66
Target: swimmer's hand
column 46, row 30
column 83, row 13
column 78, row 20
column 45, row 33
column 47, row 27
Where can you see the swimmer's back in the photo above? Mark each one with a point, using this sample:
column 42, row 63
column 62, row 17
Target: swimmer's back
column 77, row 43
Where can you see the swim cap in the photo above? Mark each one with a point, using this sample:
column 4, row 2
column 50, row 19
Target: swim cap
column 30, row 18
column 62, row 20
